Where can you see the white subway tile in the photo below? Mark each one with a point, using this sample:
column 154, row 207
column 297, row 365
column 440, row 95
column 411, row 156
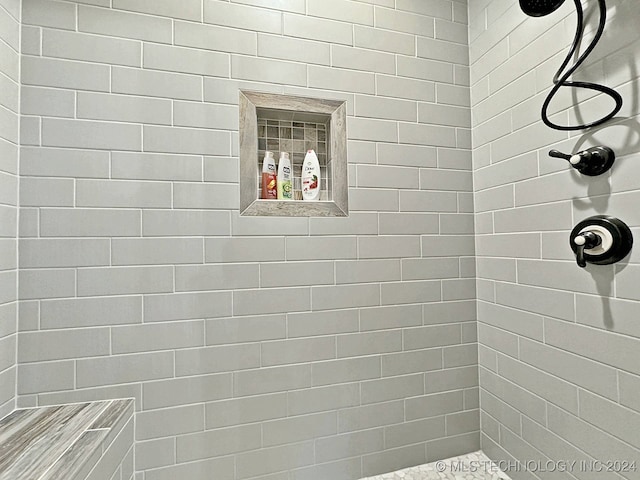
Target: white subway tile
column 400, row 21
column 46, row 192
column 387, row 177
column 332, row 297
column 201, row 115
column 398, row 87
column 301, row 26
column 386, row 41
column 370, row 199
column 10, row 28
column 362, row 59
column 406, row 155
column 296, row 6
column 48, row 253
column 48, row 13
column 187, row 9
column 90, row 312
column 355, row 224
column 154, row 337
column 48, row 72
column 185, row 222
column 456, row 31
column 294, row 49
column 424, row 69
column 444, row 51
column 9, row 95
column 90, row 48
column 438, row 8
column 434, row 135
column 372, row 130
column 84, row 222
column 241, row 16
column 156, row 84
column 210, row 37
column 116, row 23
column 385, row 108
column 124, row 280
column 343, row 80
column 341, row 10
column 123, row 108
column 122, row 193
column 444, row 115
column 124, row 369
column 47, row 101
column 46, row 283
column 216, row 277
column 205, row 195
column 150, row 166
column 63, row 344
column 186, row 141
column 361, row 271
column 185, row 60
column 90, row 134
column 293, row 274
column 156, row 251
column 264, row 70
column 254, row 302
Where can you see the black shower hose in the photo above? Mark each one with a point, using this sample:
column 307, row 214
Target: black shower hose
column 564, row 79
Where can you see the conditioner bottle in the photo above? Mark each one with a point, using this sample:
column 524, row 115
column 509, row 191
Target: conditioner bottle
column 285, row 186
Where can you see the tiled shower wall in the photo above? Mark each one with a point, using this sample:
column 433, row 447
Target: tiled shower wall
column 255, row 347
column 559, row 346
column 9, row 140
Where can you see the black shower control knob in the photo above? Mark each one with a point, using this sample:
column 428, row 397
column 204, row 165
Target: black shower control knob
column 592, row 161
column 600, row 240
column 586, row 241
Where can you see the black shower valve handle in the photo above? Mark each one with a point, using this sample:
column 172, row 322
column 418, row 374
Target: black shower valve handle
column 585, row 240
column 574, row 159
column 592, row 161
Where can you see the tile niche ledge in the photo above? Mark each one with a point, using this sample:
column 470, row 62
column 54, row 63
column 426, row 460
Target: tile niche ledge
column 254, row 105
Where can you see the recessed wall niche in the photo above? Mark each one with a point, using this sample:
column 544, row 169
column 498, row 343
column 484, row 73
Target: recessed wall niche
column 285, row 123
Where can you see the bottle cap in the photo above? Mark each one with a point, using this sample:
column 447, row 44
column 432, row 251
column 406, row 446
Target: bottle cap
column 284, row 155
column 268, row 154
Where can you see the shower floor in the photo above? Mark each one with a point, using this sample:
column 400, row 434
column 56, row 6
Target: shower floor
column 473, row 466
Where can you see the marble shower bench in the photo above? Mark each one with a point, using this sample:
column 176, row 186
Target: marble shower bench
column 83, row 441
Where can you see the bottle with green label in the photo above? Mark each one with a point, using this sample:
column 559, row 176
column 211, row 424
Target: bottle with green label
column 285, row 184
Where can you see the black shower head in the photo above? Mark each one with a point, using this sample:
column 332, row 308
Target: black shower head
column 540, row 8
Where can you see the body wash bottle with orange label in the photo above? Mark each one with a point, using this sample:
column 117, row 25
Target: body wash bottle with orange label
column 269, row 190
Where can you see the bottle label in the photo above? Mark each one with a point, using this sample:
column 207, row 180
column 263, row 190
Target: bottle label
column 287, row 191
column 269, row 184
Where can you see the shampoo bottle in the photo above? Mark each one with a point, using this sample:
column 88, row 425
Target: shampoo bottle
column 285, row 187
column 269, row 190
column 310, row 176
